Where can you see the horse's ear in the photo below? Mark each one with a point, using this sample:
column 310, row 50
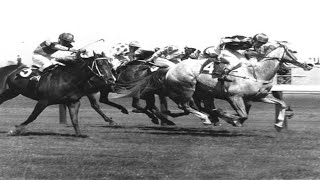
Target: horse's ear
column 103, row 54
column 94, row 54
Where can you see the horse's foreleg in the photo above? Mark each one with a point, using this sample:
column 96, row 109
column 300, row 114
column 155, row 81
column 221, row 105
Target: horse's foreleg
column 95, row 105
column 74, row 111
column 282, row 112
column 104, row 99
column 40, row 106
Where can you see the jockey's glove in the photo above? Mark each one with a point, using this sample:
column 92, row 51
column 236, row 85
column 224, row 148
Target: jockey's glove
column 82, row 51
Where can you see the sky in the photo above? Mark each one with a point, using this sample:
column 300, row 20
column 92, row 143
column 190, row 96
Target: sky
column 195, row 23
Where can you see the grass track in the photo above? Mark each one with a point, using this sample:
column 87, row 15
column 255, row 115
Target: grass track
column 138, row 149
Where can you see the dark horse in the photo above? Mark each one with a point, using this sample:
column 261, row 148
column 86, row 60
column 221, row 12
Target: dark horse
column 62, row 85
column 134, row 72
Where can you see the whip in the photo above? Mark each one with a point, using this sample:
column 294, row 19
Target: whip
column 92, row 43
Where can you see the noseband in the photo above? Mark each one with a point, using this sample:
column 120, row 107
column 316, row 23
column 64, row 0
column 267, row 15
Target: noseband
column 94, row 66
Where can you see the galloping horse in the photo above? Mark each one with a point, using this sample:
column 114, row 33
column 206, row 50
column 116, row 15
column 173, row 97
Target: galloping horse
column 62, row 85
column 132, row 73
column 250, row 83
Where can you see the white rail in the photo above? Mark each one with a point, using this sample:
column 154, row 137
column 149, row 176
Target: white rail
column 298, row 89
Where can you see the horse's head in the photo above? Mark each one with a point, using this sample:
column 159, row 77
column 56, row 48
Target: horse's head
column 286, row 55
column 190, row 52
column 101, row 68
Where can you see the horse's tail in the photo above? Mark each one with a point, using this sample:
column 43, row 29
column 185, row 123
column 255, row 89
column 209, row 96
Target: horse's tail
column 5, row 72
column 152, row 83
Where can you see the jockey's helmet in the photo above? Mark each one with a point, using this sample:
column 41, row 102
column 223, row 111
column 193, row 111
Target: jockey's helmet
column 135, row 44
column 261, row 37
column 67, row 37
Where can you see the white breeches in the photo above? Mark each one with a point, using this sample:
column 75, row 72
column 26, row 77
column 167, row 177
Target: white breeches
column 163, row 62
column 43, row 61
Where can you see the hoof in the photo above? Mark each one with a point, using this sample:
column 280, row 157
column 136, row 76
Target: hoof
column 138, row 110
column 237, row 124
column 217, row 124
column 81, row 136
column 12, row 133
column 278, row 128
column 113, row 123
column 124, row 111
column 154, row 121
column 17, row 131
column 168, row 123
column 207, row 123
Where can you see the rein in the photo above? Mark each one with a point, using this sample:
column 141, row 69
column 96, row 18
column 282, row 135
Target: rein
column 265, row 58
column 95, row 66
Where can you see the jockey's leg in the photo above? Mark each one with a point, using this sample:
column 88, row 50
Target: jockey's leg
column 43, row 63
column 163, row 62
column 231, row 60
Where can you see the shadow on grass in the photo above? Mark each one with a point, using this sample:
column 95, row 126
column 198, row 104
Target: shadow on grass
column 185, row 131
column 46, row 134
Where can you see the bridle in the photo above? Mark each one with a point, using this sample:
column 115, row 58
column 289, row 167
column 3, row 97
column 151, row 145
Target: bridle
column 285, row 52
column 96, row 71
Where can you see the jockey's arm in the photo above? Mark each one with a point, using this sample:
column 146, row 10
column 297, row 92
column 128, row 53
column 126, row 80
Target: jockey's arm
column 251, row 53
column 64, row 48
column 156, row 55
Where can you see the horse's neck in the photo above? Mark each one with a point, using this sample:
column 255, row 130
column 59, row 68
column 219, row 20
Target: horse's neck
column 266, row 69
column 74, row 72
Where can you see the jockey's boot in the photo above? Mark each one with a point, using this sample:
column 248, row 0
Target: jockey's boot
column 35, row 79
column 224, row 75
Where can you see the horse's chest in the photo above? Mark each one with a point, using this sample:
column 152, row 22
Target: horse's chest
column 258, row 91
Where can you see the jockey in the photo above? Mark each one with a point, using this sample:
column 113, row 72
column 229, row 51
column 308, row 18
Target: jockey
column 258, row 49
column 42, row 55
column 118, row 55
column 228, row 51
column 167, row 56
column 123, row 53
column 191, row 53
column 139, row 53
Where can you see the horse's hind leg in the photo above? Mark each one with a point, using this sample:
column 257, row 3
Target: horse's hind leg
column 150, row 106
column 40, row 106
column 239, row 106
column 7, row 95
column 205, row 119
column 165, row 111
column 95, row 105
column 210, row 108
column 136, row 104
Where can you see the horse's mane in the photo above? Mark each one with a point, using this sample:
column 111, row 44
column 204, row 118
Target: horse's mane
column 141, row 65
column 154, row 82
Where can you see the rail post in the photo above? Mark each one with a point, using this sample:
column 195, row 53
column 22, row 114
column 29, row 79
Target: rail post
column 62, row 114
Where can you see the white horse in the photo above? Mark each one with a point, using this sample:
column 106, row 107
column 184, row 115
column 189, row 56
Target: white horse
column 249, row 83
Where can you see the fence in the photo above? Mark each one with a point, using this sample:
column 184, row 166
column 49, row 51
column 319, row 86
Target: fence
column 296, row 81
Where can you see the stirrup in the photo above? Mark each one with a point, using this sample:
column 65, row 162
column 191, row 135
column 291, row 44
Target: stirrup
column 224, row 78
column 35, row 78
